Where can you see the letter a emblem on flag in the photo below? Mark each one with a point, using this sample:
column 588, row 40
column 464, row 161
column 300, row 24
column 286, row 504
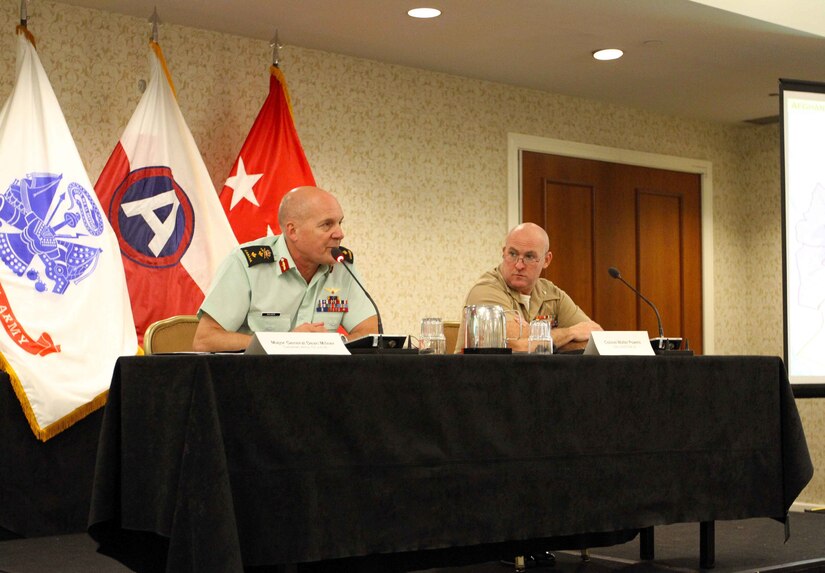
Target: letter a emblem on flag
column 64, row 307
column 161, row 202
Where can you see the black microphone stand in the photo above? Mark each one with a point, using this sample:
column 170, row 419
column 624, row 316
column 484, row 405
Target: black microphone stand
column 665, row 345
column 614, row 272
column 339, row 256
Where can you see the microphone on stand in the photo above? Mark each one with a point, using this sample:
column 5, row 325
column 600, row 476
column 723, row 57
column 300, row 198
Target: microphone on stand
column 343, row 256
column 664, row 343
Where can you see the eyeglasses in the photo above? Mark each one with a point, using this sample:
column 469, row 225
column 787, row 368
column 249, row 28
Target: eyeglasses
column 528, row 259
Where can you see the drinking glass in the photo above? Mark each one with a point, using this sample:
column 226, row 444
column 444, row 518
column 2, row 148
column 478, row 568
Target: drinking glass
column 540, row 341
column 432, row 340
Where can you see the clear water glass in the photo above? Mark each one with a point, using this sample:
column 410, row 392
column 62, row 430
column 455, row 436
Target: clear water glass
column 540, row 340
column 432, row 339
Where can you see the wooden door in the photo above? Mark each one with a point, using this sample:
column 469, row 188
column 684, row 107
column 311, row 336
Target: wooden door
column 646, row 222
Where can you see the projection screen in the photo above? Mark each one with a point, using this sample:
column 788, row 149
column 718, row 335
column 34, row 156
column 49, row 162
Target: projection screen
column 802, row 152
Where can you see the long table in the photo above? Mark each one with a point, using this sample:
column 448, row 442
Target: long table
column 214, row 462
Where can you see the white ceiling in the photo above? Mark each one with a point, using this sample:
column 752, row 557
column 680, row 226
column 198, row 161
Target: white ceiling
column 681, row 58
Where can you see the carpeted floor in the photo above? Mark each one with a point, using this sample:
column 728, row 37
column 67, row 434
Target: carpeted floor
column 747, row 545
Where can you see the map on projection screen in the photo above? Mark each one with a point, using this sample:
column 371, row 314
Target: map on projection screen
column 803, row 228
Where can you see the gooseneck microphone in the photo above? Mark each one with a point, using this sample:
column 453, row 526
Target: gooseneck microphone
column 614, row 272
column 339, row 256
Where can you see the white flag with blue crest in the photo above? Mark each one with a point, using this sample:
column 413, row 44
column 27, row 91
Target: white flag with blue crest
column 65, row 315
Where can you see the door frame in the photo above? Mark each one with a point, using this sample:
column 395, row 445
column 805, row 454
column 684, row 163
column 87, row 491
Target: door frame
column 518, row 142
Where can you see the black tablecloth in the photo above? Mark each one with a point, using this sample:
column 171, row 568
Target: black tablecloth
column 280, row 459
column 44, row 486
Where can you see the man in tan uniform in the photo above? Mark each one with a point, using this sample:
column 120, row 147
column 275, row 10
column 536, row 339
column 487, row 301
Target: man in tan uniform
column 516, row 284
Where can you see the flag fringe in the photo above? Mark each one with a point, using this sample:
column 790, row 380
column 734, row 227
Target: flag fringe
column 73, row 417
column 276, row 71
column 21, row 29
column 159, row 53
column 50, row 431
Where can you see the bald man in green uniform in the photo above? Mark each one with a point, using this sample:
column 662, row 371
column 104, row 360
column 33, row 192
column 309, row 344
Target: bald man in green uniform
column 289, row 282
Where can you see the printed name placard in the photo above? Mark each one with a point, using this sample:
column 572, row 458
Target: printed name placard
column 619, row 343
column 296, row 343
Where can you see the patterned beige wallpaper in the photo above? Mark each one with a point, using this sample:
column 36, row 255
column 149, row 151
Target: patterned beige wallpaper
column 418, row 159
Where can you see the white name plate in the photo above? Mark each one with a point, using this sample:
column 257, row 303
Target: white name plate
column 619, row 343
column 296, row 343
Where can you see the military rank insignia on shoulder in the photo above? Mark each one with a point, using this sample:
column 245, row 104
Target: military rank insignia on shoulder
column 257, row 254
column 349, row 257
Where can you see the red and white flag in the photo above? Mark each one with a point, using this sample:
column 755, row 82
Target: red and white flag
column 271, row 163
column 64, row 308
column 163, row 206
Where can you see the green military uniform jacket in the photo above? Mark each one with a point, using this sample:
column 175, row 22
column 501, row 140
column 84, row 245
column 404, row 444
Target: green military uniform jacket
column 260, row 278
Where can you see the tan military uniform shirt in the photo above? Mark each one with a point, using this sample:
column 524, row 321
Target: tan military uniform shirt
column 546, row 299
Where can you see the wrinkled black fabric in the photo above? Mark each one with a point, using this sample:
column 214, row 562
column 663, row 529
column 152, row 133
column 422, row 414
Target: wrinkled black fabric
column 277, row 459
column 44, row 486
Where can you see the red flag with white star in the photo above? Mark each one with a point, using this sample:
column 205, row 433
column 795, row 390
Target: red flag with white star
column 271, row 163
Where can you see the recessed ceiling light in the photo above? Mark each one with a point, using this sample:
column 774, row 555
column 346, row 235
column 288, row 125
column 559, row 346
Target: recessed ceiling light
column 424, row 13
column 608, row 54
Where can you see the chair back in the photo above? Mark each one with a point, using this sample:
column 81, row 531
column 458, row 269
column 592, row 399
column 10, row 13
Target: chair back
column 451, row 334
column 173, row 334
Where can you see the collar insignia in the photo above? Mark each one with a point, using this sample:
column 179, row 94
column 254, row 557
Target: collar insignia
column 257, row 254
